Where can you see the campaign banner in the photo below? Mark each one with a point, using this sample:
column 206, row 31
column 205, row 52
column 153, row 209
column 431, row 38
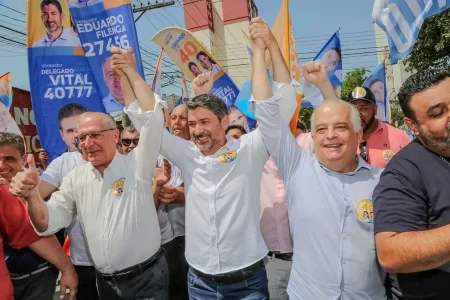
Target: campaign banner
column 59, row 73
column 330, row 56
column 193, row 59
column 7, row 123
column 22, row 112
column 402, row 20
column 376, row 82
column 6, row 89
column 101, row 25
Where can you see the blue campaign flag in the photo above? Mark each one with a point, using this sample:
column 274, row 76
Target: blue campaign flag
column 402, row 20
column 376, row 82
column 101, row 26
column 59, row 73
column 330, row 56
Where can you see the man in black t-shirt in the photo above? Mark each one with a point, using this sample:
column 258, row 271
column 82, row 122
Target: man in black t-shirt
column 412, row 200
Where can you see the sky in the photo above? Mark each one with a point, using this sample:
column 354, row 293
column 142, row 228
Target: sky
column 314, row 21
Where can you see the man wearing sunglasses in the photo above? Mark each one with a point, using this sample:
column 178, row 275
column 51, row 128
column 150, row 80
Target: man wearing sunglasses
column 380, row 141
column 129, row 139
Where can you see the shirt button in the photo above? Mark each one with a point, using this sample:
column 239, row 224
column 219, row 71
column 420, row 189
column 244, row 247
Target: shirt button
column 344, row 236
column 343, row 261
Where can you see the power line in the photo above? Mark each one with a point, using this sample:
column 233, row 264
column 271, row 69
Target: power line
column 12, row 9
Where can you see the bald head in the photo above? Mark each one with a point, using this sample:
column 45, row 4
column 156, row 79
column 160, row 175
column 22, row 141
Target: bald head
column 98, row 137
column 178, row 124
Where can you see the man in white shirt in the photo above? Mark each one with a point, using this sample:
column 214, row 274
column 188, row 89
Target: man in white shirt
column 56, row 35
column 224, row 246
column 111, row 195
column 51, row 180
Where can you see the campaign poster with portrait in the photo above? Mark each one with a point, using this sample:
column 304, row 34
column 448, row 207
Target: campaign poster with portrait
column 331, row 57
column 193, row 59
column 59, row 73
column 376, row 82
column 101, row 25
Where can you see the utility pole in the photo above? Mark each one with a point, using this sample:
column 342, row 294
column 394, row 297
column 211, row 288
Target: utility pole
column 391, row 92
column 143, row 8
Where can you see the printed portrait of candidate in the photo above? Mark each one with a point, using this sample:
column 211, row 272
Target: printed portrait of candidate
column 377, row 88
column 207, row 63
column 5, row 90
column 83, row 3
column 331, row 59
column 56, row 35
column 195, row 70
column 237, row 117
column 114, row 101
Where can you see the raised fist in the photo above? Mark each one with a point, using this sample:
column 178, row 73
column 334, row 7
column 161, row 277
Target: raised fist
column 202, row 84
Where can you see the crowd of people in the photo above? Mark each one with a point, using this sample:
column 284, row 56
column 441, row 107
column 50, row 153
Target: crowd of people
column 351, row 210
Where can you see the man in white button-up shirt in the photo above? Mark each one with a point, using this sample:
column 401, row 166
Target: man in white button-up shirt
column 112, row 197
column 224, row 246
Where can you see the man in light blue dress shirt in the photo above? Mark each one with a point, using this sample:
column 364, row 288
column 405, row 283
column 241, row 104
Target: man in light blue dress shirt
column 56, row 35
column 329, row 194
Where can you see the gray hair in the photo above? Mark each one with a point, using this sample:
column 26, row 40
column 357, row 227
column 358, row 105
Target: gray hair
column 210, row 102
column 355, row 117
column 109, row 120
column 14, row 140
column 130, row 129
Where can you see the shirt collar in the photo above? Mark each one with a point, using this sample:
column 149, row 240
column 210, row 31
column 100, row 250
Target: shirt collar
column 63, row 36
column 361, row 165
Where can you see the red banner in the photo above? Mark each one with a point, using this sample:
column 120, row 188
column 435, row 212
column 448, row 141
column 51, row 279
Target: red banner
column 22, row 112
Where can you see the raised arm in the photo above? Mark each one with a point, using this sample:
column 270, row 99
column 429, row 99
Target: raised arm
column 47, row 218
column 274, row 128
column 315, row 73
column 281, row 75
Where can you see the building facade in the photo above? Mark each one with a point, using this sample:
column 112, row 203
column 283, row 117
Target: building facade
column 219, row 25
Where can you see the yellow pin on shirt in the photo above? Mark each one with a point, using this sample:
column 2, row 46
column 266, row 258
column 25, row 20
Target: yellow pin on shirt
column 117, row 187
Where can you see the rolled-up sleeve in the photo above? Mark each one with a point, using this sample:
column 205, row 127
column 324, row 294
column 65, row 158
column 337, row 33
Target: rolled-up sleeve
column 279, row 141
column 61, row 207
column 287, row 98
column 150, row 124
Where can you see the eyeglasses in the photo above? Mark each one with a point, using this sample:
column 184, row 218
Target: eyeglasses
column 363, row 151
column 97, row 135
column 127, row 142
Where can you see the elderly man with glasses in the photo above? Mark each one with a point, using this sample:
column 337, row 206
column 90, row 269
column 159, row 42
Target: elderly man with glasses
column 112, row 197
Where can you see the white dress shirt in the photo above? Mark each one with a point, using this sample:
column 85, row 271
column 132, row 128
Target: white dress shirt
column 54, row 175
column 121, row 231
column 222, row 197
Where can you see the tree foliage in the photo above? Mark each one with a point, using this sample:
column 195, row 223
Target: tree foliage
column 432, row 48
column 352, row 80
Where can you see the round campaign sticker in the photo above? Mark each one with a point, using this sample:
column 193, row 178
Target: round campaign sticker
column 387, row 154
column 364, row 210
column 227, row 157
column 117, row 187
